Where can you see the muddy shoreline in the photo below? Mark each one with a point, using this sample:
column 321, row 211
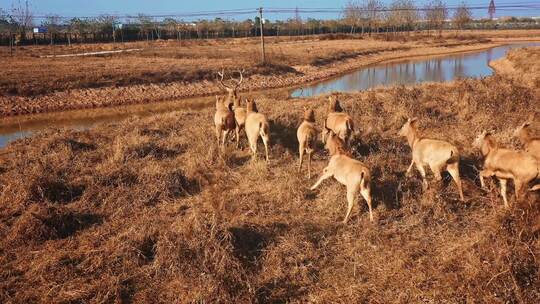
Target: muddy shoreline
column 151, row 93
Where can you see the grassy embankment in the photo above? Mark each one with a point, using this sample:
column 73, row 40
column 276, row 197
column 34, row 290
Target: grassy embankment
column 148, row 211
column 170, row 70
column 522, row 65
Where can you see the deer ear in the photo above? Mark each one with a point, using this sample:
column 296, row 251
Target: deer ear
column 413, row 121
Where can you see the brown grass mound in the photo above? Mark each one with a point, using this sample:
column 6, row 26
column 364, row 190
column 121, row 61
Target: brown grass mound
column 148, row 211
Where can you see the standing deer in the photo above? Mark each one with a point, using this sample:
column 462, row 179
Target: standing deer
column 340, row 123
column 240, row 116
column 437, row 154
column 530, row 142
column 347, row 171
column 256, row 125
column 224, row 120
column 505, row 164
column 232, row 97
column 306, row 135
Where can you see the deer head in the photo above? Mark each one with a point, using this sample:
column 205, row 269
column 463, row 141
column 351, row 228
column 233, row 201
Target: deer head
column 232, row 90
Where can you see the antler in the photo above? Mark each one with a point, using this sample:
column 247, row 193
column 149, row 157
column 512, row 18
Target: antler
column 239, row 82
column 222, row 74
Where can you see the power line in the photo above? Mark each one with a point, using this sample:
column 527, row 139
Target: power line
column 520, row 6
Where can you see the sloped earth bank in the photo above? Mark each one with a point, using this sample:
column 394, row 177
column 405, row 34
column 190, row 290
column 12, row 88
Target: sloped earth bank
column 148, row 211
column 259, row 77
column 520, row 64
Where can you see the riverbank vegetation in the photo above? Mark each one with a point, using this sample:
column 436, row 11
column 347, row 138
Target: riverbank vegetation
column 147, row 210
column 172, row 70
column 521, row 64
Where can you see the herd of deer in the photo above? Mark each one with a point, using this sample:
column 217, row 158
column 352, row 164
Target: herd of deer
column 521, row 166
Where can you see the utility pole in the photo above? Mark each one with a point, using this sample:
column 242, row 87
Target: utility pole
column 10, row 44
column 262, row 35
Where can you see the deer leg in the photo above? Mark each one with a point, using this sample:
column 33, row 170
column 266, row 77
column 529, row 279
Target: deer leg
column 422, row 171
column 410, row 168
column 224, row 139
column 436, row 169
column 253, row 145
column 366, row 194
column 484, row 174
column 326, row 174
column 518, row 185
column 265, row 142
column 503, row 191
column 218, row 135
column 453, row 169
column 352, row 192
column 309, row 164
column 237, row 136
column 301, row 152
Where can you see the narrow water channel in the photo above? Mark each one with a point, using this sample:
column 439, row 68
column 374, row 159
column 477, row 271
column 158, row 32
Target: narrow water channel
column 406, row 72
column 438, row 69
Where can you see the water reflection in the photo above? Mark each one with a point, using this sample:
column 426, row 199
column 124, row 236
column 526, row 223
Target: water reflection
column 437, row 69
column 16, row 127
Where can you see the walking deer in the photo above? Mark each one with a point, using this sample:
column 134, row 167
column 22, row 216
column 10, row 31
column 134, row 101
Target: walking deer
column 307, row 136
column 437, row 154
column 240, row 116
column 256, row 125
column 340, row 123
column 224, row 120
column 530, row 142
column 347, row 171
column 505, row 164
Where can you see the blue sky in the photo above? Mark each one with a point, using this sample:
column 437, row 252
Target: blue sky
column 120, row 7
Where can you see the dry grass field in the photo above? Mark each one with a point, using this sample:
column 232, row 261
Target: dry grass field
column 168, row 70
column 147, row 210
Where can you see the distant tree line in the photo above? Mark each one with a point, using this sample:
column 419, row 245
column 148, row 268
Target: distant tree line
column 364, row 17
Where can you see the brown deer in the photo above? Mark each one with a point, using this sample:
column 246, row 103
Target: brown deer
column 530, row 142
column 240, row 116
column 437, row 154
column 224, row 120
column 340, row 123
column 256, row 125
column 347, row 171
column 307, row 136
column 505, row 164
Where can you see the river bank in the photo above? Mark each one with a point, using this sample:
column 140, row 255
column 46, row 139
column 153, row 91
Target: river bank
column 521, row 64
column 300, row 74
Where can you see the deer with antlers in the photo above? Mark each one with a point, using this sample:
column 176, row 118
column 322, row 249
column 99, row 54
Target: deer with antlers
column 231, row 90
column 239, row 112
